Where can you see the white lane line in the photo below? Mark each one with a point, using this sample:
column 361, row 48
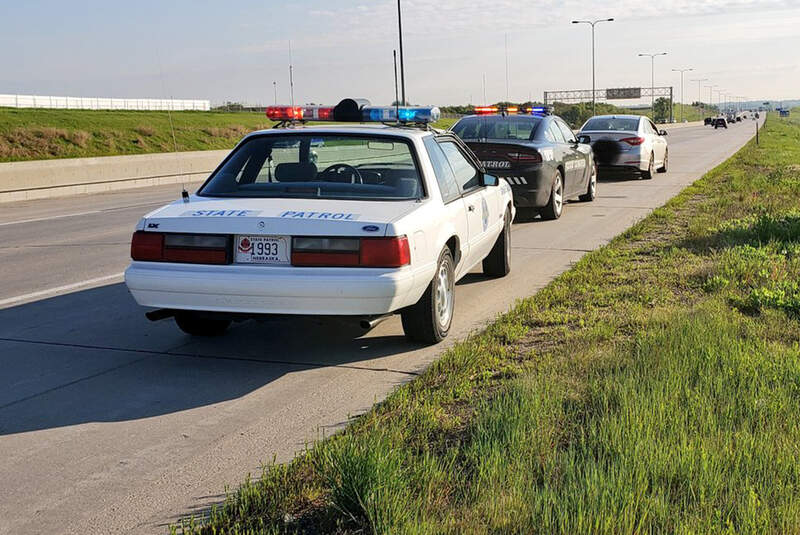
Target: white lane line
column 10, row 301
column 102, row 210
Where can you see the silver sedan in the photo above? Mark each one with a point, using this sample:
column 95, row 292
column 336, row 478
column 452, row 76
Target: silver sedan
column 626, row 143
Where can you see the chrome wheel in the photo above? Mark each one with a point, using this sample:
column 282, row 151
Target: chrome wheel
column 558, row 195
column 444, row 295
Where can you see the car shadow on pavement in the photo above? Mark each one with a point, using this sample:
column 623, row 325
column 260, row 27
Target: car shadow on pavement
column 91, row 356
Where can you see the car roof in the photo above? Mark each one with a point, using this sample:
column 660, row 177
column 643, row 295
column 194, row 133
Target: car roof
column 410, row 132
column 615, row 116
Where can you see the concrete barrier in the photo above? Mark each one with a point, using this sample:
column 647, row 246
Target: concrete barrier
column 54, row 178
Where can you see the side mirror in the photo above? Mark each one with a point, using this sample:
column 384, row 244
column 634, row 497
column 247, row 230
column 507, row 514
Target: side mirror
column 662, row 132
column 583, row 139
column 489, row 180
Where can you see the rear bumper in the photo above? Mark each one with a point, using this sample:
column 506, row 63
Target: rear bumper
column 531, row 189
column 275, row 290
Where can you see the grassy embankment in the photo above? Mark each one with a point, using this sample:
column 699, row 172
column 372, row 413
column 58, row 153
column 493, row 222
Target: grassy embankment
column 30, row 134
column 653, row 388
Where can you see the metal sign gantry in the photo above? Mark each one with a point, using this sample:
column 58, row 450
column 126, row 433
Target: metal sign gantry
column 614, row 93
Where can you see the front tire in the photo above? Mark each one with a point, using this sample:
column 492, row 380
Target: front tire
column 647, row 175
column 196, row 325
column 591, row 189
column 498, row 262
column 429, row 319
column 556, row 203
column 663, row 168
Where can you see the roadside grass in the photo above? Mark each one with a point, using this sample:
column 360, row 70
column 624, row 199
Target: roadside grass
column 652, row 388
column 35, row 134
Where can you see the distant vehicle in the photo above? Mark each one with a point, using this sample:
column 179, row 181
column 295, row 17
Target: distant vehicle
column 738, row 118
column 385, row 221
column 627, row 143
column 537, row 153
column 720, row 122
column 757, row 116
column 708, row 120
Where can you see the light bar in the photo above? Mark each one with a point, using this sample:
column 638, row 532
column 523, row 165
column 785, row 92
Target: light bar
column 401, row 114
column 355, row 110
column 318, row 113
column 285, row 113
column 485, row 110
column 526, row 110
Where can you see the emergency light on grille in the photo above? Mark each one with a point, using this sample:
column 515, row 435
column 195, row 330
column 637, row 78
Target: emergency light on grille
column 355, row 110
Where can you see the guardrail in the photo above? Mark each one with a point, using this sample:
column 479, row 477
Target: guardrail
column 102, row 103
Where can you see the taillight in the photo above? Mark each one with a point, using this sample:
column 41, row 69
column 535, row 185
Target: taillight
column 633, row 140
column 350, row 252
column 385, row 252
column 147, row 246
column 182, row 248
column 525, row 157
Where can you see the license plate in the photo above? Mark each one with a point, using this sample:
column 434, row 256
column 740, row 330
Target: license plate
column 262, row 249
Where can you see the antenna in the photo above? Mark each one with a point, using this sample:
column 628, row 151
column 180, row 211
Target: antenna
column 396, row 95
column 184, row 193
column 506, row 45
column 291, row 76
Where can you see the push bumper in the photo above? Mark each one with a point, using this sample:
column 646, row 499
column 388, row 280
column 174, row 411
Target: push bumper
column 275, row 290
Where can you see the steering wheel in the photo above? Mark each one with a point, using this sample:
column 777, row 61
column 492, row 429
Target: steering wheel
column 337, row 168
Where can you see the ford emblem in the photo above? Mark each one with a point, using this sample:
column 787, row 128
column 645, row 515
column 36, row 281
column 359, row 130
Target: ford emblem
column 370, row 228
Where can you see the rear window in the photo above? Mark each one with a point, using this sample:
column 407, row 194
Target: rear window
column 612, row 124
column 497, row 127
column 319, row 166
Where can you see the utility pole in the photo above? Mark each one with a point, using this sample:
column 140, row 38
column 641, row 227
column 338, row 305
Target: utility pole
column 592, row 23
column 402, row 65
column 653, row 81
column 711, row 95
column 682, row 101
column 275, row 91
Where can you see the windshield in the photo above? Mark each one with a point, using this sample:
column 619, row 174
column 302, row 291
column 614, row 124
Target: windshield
column 612, row 124
column 319, row 166
column 497, row 127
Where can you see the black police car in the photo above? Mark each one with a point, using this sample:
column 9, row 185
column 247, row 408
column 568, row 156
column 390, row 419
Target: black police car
column 536, row 153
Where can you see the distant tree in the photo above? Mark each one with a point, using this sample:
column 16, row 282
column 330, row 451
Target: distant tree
column 661, row 110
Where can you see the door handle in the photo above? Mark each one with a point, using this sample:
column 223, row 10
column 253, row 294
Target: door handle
column 471, row 207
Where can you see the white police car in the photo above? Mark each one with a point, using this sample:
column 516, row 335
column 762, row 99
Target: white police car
column 361, row 221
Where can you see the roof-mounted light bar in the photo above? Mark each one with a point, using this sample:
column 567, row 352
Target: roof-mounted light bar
column 507, row 110
column 355, row 110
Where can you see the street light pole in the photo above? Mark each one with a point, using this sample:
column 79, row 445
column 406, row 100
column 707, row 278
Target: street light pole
column 275, row 91
column 711, row 94
column 402, row 65
column 700, row 91
column 592, row 24
column 682, row 101
column 653, row 81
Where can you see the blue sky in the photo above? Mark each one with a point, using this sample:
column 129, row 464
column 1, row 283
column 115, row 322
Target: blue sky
column 235, row 50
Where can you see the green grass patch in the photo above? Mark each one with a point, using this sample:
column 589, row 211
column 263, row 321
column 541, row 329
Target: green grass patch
column 653, row 388
column 34, row 134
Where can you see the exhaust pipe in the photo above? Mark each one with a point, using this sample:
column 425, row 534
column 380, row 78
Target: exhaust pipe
column 159, row 314
column 371, row 323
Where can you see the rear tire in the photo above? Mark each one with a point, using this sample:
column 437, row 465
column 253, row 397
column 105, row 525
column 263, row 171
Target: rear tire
column 498, row 262
column 663, row 168
column 647, row 175
column 591, row 189
column 429, row 319
column 195, row 325
column 556, row 203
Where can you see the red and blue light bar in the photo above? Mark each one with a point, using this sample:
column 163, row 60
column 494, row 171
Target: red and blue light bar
column 351, row 110
column 520, row 110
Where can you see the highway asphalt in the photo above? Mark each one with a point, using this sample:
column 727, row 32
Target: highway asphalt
column 112, row 424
